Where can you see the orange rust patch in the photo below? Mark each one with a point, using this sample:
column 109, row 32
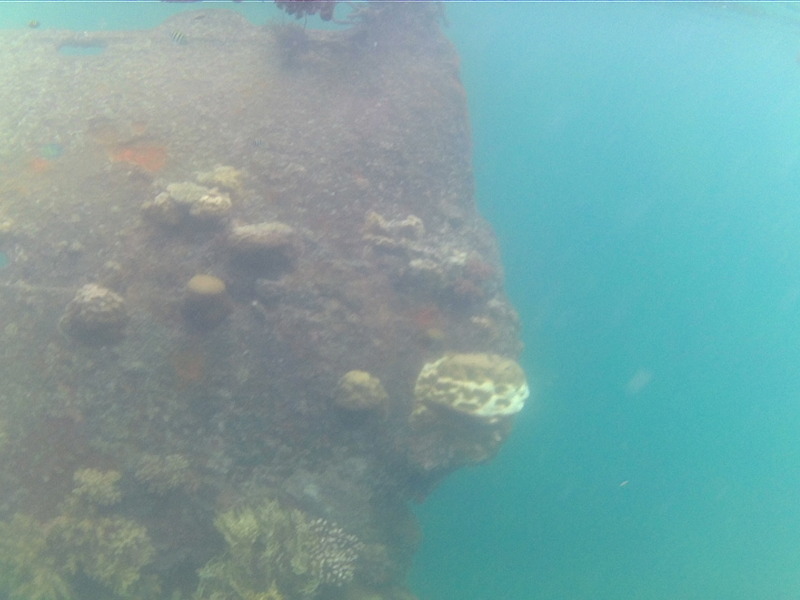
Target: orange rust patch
column 150, row 157
column 139, row 127
column 189, row 366
column 426, row 317
column 40, row 165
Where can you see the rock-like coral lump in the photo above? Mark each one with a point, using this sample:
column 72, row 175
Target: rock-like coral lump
column 95, row 316
column 360, row 391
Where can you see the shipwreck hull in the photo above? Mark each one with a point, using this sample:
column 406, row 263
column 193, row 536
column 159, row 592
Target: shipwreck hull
column 228, row 253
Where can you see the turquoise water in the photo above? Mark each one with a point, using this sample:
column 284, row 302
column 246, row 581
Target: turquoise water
column 640, row 164
column 83, row 15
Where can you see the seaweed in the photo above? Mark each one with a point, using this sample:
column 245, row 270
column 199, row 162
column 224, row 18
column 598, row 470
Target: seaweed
column 275, row 551
column 46, row 560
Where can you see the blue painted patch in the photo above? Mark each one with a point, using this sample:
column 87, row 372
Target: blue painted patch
column 4, row 260
column 51, row 151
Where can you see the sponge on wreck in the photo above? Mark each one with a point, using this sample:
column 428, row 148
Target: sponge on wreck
column 485, row 387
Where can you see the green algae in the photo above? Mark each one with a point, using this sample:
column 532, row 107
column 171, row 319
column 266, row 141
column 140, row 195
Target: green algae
column 42, row 560
column 162, row 474
column 30, row 570
column 96, row 487
column 264, row 551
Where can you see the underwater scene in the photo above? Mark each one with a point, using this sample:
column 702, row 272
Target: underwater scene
column 316, row 300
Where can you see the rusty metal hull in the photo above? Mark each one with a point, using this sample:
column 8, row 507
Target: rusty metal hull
column 323, row 180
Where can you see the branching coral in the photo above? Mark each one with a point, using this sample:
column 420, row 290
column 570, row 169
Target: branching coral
column 270, row 548
column 334, row 553
column 96, row 487
column 109, row 550
column 161, row 474
column 40, row 560
column 304, row 8
column 28, row 569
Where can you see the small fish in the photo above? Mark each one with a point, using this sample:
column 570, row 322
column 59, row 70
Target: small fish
column 178, row 37
column 33, row 23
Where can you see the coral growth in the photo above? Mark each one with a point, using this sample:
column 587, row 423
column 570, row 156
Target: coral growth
column 48, row 560
column 109, row 550
column 188, row 203
column 397, row 235
column 211, row 208
column 312, row 215
column 304, row 8
column 279, row 550
column 222, row 176
column 95, row 316
column 29, row 570
column 446, row 273
column 486, row 387
column 334, row 553
column 163, row 210
column 96, row 487
column 361, row 391
column 162, row 474
column 464, row 405
column 206, row 302
column 269, row 249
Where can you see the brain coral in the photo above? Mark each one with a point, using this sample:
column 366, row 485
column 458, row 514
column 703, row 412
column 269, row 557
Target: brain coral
column 486, row 387
column 206, row 302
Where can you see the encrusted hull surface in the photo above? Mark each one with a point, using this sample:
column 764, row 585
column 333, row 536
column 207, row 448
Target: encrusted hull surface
column 251, row 433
